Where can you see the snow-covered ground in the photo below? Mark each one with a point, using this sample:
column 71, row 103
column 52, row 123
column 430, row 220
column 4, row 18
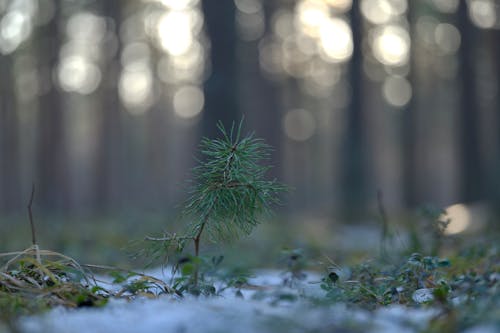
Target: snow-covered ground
column 264, row 309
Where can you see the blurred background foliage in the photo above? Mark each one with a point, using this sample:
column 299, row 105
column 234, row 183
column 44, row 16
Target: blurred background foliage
column 103, row 103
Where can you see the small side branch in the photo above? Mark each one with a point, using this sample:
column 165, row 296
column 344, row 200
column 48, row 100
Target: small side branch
column 167, row 239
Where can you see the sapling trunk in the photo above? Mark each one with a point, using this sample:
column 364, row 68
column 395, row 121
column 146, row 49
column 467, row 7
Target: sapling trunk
column 197, row 250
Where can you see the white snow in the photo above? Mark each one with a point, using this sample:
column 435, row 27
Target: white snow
column 260, row 311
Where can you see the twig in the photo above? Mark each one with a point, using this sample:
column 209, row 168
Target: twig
column 32, row 224
column 383, row 214
column 30, row 214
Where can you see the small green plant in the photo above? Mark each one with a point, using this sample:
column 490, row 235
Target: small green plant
column 228, row 194
column 376, row 283
column 296, row 263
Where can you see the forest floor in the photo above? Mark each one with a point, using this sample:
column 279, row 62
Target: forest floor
column 267, row 306
column 436, row 284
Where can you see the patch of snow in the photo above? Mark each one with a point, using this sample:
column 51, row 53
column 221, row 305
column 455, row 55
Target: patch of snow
column 423, row 295
column 267, row 306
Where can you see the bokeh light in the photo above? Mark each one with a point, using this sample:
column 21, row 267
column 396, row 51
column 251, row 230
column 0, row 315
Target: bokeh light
column 178, row 32
column 77, row 74
column 447, row 38
column 299, row 124
column 397, row 91
column 135, row 52
column 249, row 6
column 78, row 70
column 251, row 26
column 310, row 16
column 282, row 23
column 336, row 40
column 86, row 26
column 460, row 218
column 382, row 11
column 188, row 101
column 135, row 88
column 391, row 45
column 483, row 13
column 15, row 28
column 174, row 31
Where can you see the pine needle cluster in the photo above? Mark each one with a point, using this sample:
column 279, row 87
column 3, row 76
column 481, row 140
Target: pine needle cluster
column 229, row 191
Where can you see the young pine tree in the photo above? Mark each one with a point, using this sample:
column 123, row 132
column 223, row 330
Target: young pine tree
column 229, row 193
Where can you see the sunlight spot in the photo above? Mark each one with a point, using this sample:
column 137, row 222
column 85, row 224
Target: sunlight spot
column 188, row 101
column 483, row 13
column 299, row 125
column 460, row 218
column 311, row 14
column 78, row 74
column 176, row 30
column 135, row 88
column 391, row 45
column 397, row 91
column 336, row 40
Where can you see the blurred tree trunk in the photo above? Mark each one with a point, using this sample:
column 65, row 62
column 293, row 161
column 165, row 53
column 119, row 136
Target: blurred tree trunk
column 51, row 182
column 469, row 136
column 9, row 140
column 409, row 121
column 220, row 88
column 494, row 182
column 354, row 177
column 258, row 96
column 108, row 166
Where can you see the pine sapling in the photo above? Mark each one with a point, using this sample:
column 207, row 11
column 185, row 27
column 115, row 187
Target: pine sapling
column 229, row 193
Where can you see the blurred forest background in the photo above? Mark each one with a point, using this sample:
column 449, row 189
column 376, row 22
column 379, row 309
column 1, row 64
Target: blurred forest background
column 103, row 102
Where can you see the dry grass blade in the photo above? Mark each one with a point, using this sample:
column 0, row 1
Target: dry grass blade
column 143, row 277
column 32, row 252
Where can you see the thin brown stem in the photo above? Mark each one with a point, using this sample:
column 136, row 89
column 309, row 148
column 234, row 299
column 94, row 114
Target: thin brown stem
column 198, row 237
column 30, row 214
column 383, row 214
